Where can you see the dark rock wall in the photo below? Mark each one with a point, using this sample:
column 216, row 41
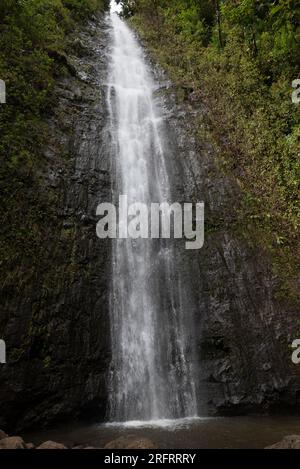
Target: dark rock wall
column 57, row 330
column 244, row 334
column 57, row 334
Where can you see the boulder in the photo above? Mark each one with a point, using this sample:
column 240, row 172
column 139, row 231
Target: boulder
column 3, row 435
column 288, row 442
column 130, row 442
column 13, row 442
column 30, row 446
column 51, row 445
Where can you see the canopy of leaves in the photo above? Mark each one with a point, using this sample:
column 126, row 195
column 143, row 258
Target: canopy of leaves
column 240, row 58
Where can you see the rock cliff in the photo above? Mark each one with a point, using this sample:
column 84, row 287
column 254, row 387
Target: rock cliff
column 56, row 326
column 244, row 332
column 57, row 329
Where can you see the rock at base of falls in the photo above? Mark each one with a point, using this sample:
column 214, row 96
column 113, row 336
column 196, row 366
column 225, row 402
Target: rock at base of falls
column 12, row 442
column 51, row 445
column 288, row 442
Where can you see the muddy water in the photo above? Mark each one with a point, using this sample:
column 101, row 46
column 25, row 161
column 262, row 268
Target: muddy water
column 236, row 432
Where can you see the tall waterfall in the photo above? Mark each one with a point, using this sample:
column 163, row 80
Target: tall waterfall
column 151, row 373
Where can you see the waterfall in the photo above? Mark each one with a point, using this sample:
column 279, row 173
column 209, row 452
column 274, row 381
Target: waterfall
column 152, row 374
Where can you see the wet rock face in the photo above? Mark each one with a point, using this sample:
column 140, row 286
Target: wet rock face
column 244, row 334
column 57, row 331
column 244, row 347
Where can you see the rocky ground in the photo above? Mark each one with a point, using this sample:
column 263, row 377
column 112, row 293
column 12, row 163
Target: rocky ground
column 124, row 442
column 128, row 442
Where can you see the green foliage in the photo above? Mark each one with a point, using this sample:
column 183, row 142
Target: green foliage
column 85, row 8
column 188, row 25
column 32, row 32
column 240, row 58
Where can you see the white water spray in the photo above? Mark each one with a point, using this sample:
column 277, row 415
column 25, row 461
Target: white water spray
column 151, row 373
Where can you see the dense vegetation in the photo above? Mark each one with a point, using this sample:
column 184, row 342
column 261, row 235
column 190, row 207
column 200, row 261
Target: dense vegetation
column 33, row 43
column 239, row 57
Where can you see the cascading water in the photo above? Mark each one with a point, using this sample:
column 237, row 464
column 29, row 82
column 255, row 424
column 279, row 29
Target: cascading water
column 151, row 373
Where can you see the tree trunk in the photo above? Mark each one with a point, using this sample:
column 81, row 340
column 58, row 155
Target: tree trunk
column 218, row 14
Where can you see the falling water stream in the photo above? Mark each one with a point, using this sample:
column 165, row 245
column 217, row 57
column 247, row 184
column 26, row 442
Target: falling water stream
column 152, row 374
